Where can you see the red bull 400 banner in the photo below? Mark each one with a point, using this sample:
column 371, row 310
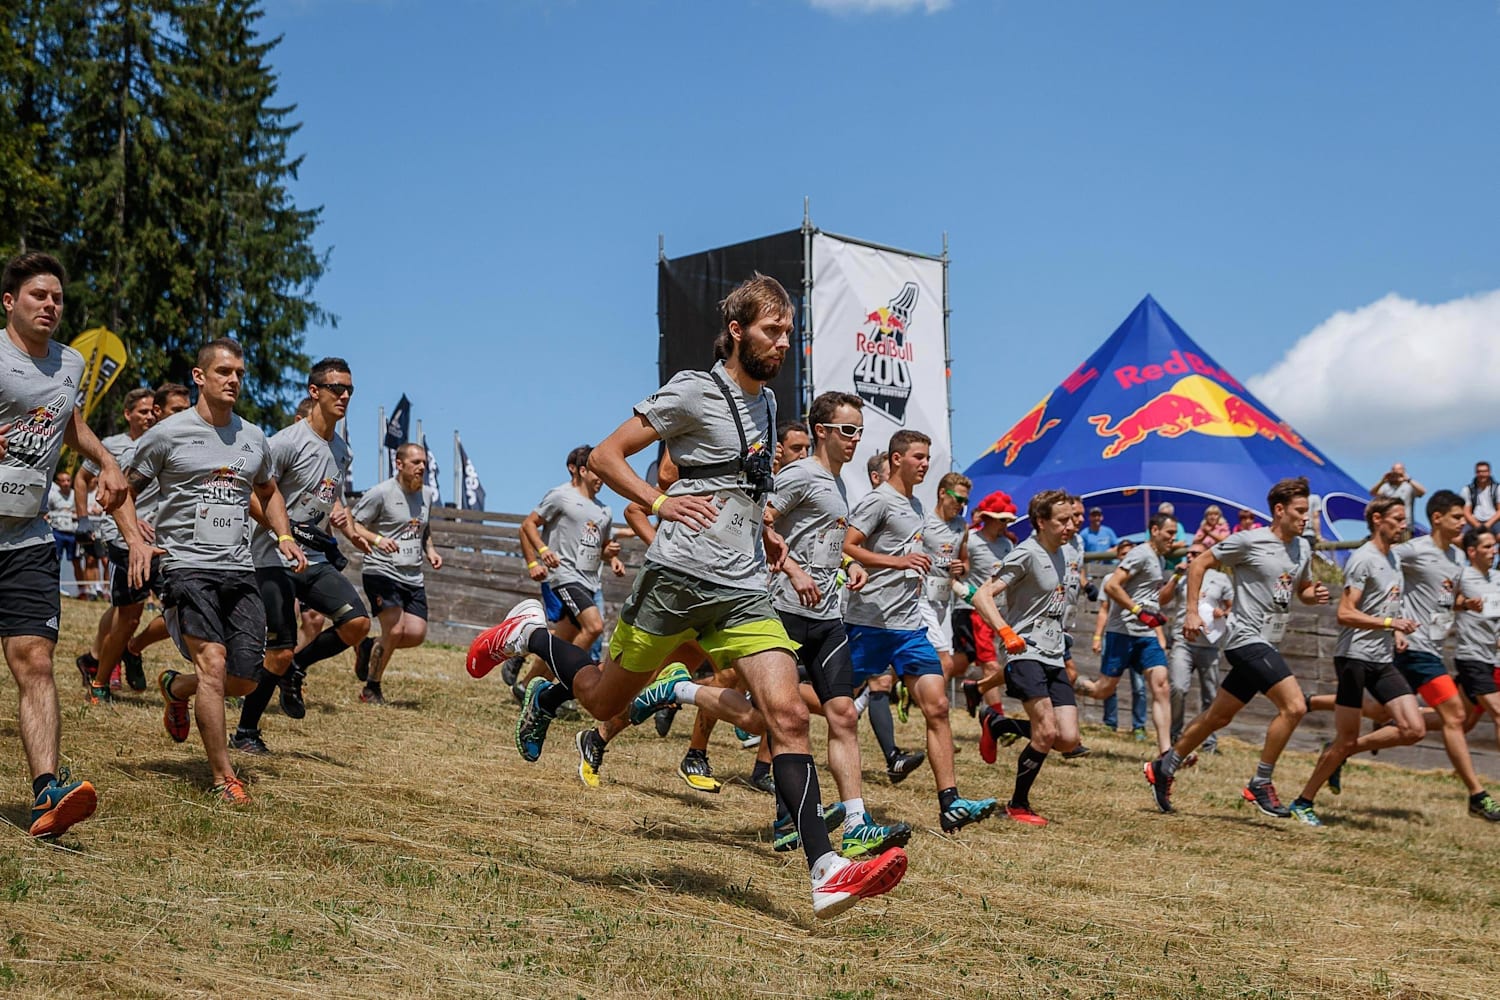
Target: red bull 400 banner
column 878, row 333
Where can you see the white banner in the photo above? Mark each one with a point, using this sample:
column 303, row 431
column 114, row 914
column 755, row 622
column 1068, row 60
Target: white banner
column 877, row 322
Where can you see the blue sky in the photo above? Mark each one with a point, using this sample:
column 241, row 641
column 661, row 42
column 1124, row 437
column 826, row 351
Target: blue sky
column 1317, row 178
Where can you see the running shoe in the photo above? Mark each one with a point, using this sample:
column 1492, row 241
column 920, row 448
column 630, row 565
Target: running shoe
column 699, row 776
column 1161, row 784
column 659, row 694
column 903, row 701
column 838, row 883
column 62, row 803
column 1139, row 733
column 370, row 696
column 570, row 710
column 518, row 692
column 362, row 658
column 1265, row 799
column 784, row 835
column 986, row 740
column 664, row 719
column 1336, row 779
column 900, row 766
column 100, row 694
column 510, row 670
column 500, row 642
column 135, row 670
column 249, row 741
column 871, row 838
column 1024, row 814
column 765, row 783
column 972, row 697
column 590, row 756
column 292, row 704
column 747, row 739
column 114, row 678
column 1485, row 807
column 1302, row 811
column 86, row 665
column 961, row 812
column 532, row 723
column 1076, row 753
column 232, row 791
column 175, row 716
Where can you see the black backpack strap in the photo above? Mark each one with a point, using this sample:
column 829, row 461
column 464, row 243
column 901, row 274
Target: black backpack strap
column 735, row 465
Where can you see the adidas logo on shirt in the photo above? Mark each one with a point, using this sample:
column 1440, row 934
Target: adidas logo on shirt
column 67, row 380
column 246, row 447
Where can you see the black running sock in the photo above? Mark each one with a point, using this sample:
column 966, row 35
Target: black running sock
column 40, row 782
column 552, row 699
column 797, row 790
column 372, row 686
column 256, row 702
column 879, row 714
column 1028, row 765
column 564, row 658
column 325, row 644
column 946, row 797
column 1474, row 800
column 760, row 770
column 1001, row 725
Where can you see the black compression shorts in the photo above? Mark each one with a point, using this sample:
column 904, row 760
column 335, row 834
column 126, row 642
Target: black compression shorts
column 823, row 653
column 1382, row 680
column 319, row 587
column 219, row 607
column 1253, row 670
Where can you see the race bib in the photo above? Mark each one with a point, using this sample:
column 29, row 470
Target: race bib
column 1491, row 606
column 588, row 558
column 828, row 548
column 1440, row 626
column 1213, row 628
column 408, row 552
column 737, row 522
column 221, row 525
column 937, row 589
column 22, row 491
column 1047, row 635
column 1274, row 629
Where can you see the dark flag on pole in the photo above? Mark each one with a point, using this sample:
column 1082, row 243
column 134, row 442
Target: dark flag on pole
column 432, row 473
column 398, row 427
column 473, row 498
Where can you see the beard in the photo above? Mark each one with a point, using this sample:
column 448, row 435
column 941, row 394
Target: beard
column 761, row 367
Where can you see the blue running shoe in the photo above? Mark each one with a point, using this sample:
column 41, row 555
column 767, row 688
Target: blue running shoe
column 660, row 694
column 869, row 839
column 784, row 836
column 1302, row 811
column 961, row 812
column 1336, row 779
column 62, row 803
column 532, row 723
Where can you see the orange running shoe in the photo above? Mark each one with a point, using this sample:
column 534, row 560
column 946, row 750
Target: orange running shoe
column 62, row 803
column 233, row 791
column 175, row 717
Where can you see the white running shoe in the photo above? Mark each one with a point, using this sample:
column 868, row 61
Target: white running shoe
column 838, row 883
column 500, row 642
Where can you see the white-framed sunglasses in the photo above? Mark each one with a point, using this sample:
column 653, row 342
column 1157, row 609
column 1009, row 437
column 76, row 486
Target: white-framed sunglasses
column 850, row 431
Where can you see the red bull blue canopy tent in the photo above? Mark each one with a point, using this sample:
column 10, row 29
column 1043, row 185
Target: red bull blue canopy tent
column 1151, row 416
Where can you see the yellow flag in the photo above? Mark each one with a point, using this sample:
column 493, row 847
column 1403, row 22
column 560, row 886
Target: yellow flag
column 104, row 355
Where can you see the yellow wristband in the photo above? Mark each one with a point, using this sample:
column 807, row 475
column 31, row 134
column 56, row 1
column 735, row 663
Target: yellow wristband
column 285, row 538
column 531, row 564
column 1136, row 610
column 846, row 562
column 541, row 550
column 379, row 539
column 1098, row 635
column 656, row 505
column 1388, row 622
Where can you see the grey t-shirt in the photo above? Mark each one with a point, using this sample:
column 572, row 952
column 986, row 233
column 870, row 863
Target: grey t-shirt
column 1405, row 492
column 1483, row 500
column 692, row 417
column 61, row 513
column 812, row 514
column 401, row 516
column 1145, row 572
column 204, row 476
column 1267, row 574
column 892, row 526
column 1377, row 577
column 36, row 403
column 1216, row 590
column 310, row 474
column 984, row 560
column 1035, row 599
column 1477, row 634
column 1432, row 580
column 122, row 446
column 943, row 541
column 576, row 529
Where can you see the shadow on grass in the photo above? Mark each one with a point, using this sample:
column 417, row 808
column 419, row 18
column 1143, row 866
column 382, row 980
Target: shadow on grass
column 194, row 770
column 685, row 797
column 734, row 837
column 696, row 883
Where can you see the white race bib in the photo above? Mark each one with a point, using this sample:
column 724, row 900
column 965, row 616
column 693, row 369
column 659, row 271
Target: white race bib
column 1491, row 606
column 588, row 557
column 828, row 548
column 221, row 525
column 1213, row 628
column 408, row 552
column 1046, row 635
column 1274, row 629
column 22, row 491
column 1441, row 625
column 737, row 523
column 938, row 590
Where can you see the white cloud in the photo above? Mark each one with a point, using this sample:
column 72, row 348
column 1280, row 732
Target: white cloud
column 881, row 6
column 1394, row 373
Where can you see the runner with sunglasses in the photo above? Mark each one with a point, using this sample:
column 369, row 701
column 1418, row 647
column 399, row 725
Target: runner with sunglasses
column 945, row 537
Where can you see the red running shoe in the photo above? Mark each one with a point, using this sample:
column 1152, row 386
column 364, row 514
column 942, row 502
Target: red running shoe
column 500, row 642
column 842, row 883
column 175, row 717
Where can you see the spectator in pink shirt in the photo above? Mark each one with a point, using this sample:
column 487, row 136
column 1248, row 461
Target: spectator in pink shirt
column 1213, row 529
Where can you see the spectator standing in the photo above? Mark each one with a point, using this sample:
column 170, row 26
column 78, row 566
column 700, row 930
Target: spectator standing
column 64, row 521
column 1098, row 536
column 1396, row 483
column 1482, row 499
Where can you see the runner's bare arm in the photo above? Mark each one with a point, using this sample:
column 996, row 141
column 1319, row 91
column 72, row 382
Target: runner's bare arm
column 1192, row 622
column 1114, row 587
column 854, row 540
column 111, row 481
column 276, row 519
column 609, row 461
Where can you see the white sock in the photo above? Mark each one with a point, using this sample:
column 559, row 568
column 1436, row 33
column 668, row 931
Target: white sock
column 686, row 693
column 854, row 813
column 861, row 703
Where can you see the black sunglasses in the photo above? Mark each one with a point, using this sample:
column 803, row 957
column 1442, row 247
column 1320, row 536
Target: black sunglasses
column 337, row 388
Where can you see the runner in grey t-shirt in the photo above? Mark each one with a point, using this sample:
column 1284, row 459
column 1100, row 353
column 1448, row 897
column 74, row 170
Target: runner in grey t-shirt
column 207, row 462
column 811, row 508
column 944, row 538
column 1268, row 565
column 705, row 576
column 988, row 546
column 1186, row 657
column 889, row 524
column 1474, row 655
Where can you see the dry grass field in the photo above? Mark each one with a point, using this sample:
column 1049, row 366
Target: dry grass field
column 409, row 852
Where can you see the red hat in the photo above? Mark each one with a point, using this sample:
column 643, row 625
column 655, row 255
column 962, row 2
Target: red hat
column 997, row 505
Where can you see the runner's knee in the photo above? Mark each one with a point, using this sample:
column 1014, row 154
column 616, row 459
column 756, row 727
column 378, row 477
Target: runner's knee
column 354, row 630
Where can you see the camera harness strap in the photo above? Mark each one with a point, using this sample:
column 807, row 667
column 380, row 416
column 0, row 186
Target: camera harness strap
column 735, row 465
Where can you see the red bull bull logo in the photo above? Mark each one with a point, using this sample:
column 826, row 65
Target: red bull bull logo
column 882, row 376
column 1200, row 405
column 1028, row 430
